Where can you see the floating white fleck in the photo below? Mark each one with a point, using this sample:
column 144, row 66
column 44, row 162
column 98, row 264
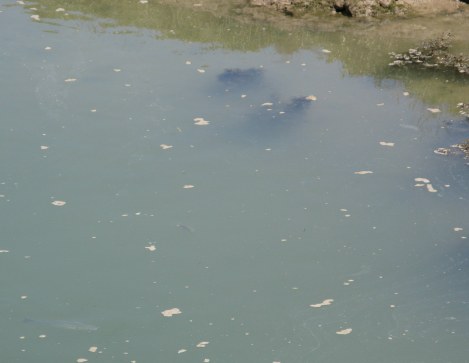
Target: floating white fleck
column 143, row 1
column 206, row 360
column 58, row 203
column 182, row 351
column 200, row 70
column 431, row 189
column 42, row 336
column 324, row 303
column 243, row 96
column 188, row 62
column 82, row 360
column 202, row 344
column 406, row 93
column 35, row 17
column 422, row 180
column 363, row 172
column 171, row 312
column 4, row 251
column 93, row 110
column 311, row 98
column 24, row 297
column 344, row 331
column 60, row 10
column 384, row 143
column 21, row 2
column 70, row 80
column 380, row 104
column 267, row 104
column 165, row 147
column 117, row 70
column 434, row 110
column 200, row 121
column 151, row 248
column 326, row 51
column 188, row 186
column 47, row 48
column 44, row 147
column 457, row 229
column 92, row 349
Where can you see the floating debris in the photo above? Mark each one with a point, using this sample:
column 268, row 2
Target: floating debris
column 58, row 203
column 166, row 147
column 442, row 151
column 363, row 172
column 44, row 147
column 327, row 51
column 380, row 104
column 406, row 93
column 4, row 251
column 117, row 70
column 182, row 351
column 434, row 110
column 311, row 98
column 325, row 302
column 344, row 331
column 171, row 312
column 82, row 360
column 200, row 70
column 151, row 248
column 60, row 10
column 47, row 48
column 188, row 186
column 384, row 143
column 267, row 104
column 92, row 349
column 463, row 109
column 68, row 80
column 188, row 62
column 202, row 344
column 422, row 180
column 42, row 336
column 35, row 17
column 457, row 229
column 200, row 121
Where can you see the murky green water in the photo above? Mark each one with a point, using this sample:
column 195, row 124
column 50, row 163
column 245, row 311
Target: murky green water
column 242, row 223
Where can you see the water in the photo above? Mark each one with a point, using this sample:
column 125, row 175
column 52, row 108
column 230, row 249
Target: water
column 242, row 223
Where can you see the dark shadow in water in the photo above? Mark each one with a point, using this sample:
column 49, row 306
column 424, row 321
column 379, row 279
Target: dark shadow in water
column 258, row 122
column 236, row 78
column 270, row 124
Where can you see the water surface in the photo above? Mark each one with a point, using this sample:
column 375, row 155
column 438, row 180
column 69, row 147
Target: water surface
column 241, row 223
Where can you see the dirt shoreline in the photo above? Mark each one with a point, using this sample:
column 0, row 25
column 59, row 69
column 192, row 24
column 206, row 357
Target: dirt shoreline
column 363, row 8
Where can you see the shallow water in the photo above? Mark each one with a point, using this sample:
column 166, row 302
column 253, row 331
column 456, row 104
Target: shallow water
column 241, row 223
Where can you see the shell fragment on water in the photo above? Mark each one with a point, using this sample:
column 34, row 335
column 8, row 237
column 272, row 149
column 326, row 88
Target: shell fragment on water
column 363, row 172
column 170, row 312
column 325, row 302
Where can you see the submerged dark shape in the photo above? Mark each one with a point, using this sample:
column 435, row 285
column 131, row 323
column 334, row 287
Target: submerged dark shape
column 272, row 121
column 239, row 77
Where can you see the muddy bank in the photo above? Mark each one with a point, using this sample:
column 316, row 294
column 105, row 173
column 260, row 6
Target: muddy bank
column 362, row 8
